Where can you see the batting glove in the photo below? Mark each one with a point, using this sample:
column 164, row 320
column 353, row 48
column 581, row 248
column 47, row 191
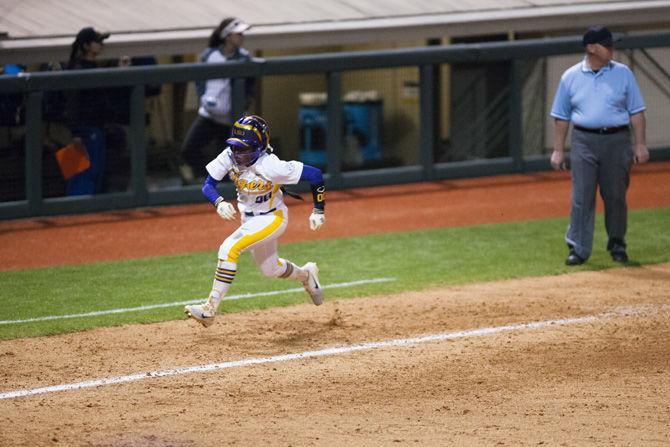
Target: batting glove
column 316, row 219
column 225, row 209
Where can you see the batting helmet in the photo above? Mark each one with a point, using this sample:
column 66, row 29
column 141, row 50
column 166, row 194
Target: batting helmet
column 249, row 138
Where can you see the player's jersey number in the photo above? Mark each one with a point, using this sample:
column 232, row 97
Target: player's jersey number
column 263, row 198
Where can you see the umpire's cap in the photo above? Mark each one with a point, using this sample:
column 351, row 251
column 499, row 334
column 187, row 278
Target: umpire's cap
column 598, row 34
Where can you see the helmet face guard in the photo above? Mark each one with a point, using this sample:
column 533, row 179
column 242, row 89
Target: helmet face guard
column 243, row 156
column 248, row 140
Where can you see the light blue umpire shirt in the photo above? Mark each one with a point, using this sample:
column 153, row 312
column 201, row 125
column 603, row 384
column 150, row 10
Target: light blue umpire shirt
column 604, row 99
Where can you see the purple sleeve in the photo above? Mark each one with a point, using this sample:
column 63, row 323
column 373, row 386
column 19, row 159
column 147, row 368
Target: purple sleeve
column 209, row 189
column 315, row 178
column 311, row 174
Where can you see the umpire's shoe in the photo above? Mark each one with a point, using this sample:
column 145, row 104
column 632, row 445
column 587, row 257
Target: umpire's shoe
column 574, row 259
column 202, row 313
column 312, row 284
column 619, row 255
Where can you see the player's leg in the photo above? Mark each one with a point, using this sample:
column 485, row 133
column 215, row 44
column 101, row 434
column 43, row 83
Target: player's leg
column 223, row 278
column 265, row 256
column 584, row 170
column 254, row 231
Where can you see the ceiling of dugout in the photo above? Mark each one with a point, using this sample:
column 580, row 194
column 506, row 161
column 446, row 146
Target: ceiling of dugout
column 33, row 31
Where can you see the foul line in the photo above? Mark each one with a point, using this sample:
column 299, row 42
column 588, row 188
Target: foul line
column 200, row 300
column 620, row 312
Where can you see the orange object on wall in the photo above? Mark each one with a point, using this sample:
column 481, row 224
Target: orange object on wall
column 72, row 159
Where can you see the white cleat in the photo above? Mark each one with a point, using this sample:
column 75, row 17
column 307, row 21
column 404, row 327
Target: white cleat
column 312, row 284
column 202, row 313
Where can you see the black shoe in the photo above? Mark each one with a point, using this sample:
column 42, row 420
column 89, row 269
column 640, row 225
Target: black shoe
column 574, row 259
column 619, row 256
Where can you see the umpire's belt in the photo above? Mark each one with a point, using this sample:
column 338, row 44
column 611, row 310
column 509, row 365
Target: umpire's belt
column 256, row 213
column 602, row 130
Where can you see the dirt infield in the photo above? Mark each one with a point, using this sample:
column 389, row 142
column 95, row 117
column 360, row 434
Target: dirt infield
column 599, row 382
column 603, row 379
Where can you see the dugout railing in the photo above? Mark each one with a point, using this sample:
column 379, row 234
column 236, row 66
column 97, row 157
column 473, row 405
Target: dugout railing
column 33, row 87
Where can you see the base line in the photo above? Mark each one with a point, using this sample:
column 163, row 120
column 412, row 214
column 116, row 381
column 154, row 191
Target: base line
column 200, row 300
column 620, row 312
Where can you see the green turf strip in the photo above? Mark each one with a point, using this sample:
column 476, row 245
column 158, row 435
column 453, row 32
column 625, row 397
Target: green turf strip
column 416, row 260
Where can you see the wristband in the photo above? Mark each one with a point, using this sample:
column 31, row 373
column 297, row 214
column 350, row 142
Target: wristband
column 319, row 195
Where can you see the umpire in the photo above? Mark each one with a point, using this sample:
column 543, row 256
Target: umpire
column 602, row 99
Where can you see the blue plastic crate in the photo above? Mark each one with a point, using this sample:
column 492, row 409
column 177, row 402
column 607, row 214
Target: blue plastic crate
column 362, row 121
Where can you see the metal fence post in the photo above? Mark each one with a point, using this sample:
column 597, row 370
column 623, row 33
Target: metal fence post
column 33, row 148
column 138, row 151
column 516, row 115
column 238, row 100
column 427, row 127
column 334, row 133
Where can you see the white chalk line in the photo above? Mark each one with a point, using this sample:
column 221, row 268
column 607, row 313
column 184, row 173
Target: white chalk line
column 184, row 303
column 620, row 312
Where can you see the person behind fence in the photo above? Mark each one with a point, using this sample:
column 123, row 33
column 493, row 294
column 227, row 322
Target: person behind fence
column 214, row 95
column 603, row 101
column 11, row 105
column 258, row 175
column 91, row 114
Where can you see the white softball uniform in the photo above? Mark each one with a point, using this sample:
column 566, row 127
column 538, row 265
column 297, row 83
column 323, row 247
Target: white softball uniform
column 261, row 205
column 215, row 102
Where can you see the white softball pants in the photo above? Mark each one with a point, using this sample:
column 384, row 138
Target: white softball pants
column 258, row 234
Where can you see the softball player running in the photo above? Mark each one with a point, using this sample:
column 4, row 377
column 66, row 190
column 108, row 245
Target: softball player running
column 258, row 175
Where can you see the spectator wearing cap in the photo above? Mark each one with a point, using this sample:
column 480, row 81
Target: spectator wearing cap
column 93, row 116
column 603, row 101
column 92, row 107
column 86, row 47
column 214, row 119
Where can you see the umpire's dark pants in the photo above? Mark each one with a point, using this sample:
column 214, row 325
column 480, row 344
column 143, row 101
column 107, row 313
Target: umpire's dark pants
column 599, row 161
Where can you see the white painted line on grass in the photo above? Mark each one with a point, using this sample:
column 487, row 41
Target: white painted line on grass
column 200, row 300
column 620, row 312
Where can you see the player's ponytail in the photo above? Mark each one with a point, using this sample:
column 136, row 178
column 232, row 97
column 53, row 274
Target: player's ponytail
column 216, row 39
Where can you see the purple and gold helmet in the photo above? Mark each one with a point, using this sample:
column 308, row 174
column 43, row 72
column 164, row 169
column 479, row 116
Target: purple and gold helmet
column 248, row 140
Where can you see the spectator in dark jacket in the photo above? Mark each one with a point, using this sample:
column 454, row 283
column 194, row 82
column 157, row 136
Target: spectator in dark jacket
column 94, row 114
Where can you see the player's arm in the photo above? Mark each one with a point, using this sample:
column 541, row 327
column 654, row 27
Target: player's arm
column 225, row 209
column 315, row 178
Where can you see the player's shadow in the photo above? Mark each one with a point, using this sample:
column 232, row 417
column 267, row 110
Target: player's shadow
column 307, row 332
column 298, row 338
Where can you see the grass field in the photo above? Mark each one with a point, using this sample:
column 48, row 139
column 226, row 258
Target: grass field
column 408, row 261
